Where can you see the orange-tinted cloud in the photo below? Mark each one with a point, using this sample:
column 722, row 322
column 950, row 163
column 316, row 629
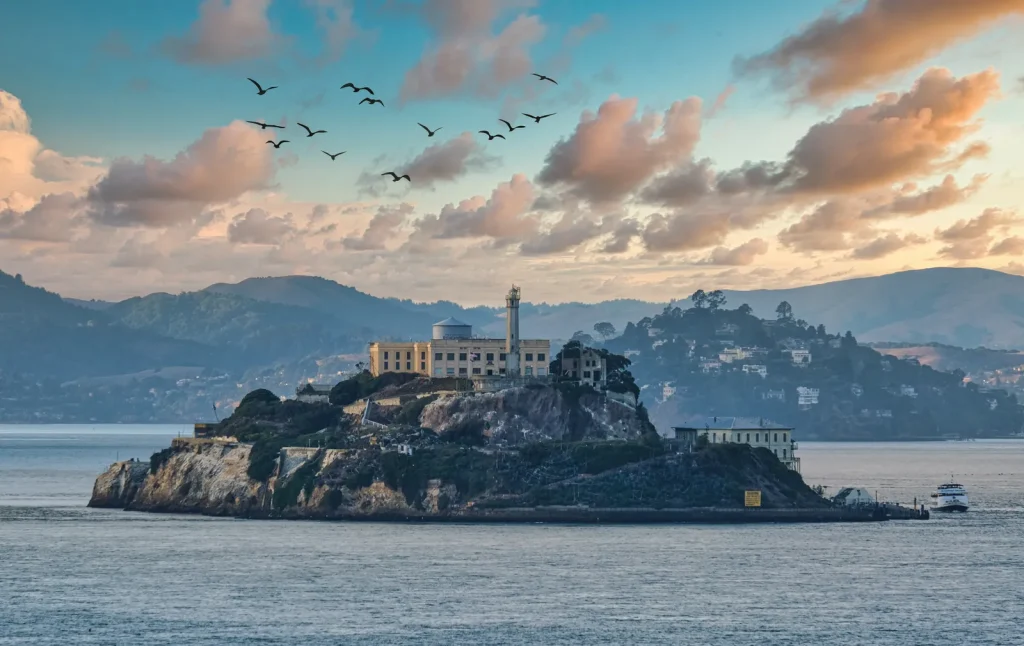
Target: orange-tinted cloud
column 886, row 245
column 837, row 54
column 968, row 239
column 503, row 217
column 226, row 31
column 744, row 254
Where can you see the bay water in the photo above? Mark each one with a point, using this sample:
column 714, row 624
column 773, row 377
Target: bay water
column 73, row 575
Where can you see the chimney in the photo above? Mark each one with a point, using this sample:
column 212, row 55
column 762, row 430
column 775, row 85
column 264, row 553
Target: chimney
column 512, row 332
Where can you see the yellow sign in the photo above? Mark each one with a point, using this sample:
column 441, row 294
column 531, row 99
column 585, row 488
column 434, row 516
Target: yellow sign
column 752, row 499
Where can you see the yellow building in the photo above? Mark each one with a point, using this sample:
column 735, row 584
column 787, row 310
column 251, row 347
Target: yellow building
column 453, row 351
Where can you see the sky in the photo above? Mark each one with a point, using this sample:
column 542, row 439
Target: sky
column 726, row 145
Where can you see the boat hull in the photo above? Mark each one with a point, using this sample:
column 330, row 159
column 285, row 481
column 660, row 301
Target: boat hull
column 950, row 508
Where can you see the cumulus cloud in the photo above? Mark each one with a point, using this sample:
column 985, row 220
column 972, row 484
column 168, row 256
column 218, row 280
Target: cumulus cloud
column 221, row 165
column 838, row 54
column 685, row 231
column 614, row 152
column 935, row 198
column 744, row 254
column 570, row 231
column 226, row 31
column 336, row 24
column 448, row 161
column 503, row 217
column 467, row 55
column 54, row 219
column 898, row 137
column 1012, row 246
column 381, row 229
column 968, row 239
column 256, row 226
column 885, row 245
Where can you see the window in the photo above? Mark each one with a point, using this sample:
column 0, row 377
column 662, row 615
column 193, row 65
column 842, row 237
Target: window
column 385, row 365
column 597, row 375
column 776, row 437
column 490, row 371
column 783, row 437
column 451, row 356
column 541, row 372
column 783, row 453
column 714, row 438
column 423, row 356
column 423, row 365
column 540, row 356
column 529, row 356
column 462, row 371
column 739, row 437
column 385, row 354
column 438, row 356
column 450, row 371
column 748, row 438
column 529, row 371
column 501, row 357
column 586, row 374
column 408, row 365
column 408, row 356
column 437, row 372
column 501, row 371
column 462, row 356
column 757, row 437
column 476, row 371
column 490, row 356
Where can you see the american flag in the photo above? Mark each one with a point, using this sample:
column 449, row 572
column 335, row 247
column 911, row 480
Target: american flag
column 474, row 356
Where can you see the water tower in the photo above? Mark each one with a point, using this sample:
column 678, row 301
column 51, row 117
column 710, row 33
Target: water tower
column 512, row 332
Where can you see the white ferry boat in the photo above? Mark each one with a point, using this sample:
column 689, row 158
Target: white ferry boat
column 950, row 497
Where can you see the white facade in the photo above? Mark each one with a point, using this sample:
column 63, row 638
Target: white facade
column 854, row 496
column 710, row 366
column 756, row 369
column 321, row 393
column 729, row 355
column 907, row 391
column 777, row 395
column 807, row 396
column 755, row 433
column 800, row 357
column 667, row 390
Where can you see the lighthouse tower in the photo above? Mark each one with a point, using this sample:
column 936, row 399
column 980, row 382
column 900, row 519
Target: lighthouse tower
column 512, row 332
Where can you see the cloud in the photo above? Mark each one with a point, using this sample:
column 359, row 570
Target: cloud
column 898, row 137
column 502, row 217
column 613, row 153
column 335, row 21
column 720, row 101
column 744, row 254
column 1012, row 246
column 687, row 184
column 570, row 231
column 256, row 226
column 685, row 231
column 837, row 54
column 968, row 239
column 935, row 198
column 467, row 55
column 53, row 219
column 221, row 165
column 381, row 228
column 441, row 162
column 885, row 245
column 226, row 31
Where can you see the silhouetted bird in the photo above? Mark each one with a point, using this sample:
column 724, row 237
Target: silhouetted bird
column 537, row 119
column 334, row 155
column 311, row 132
column 278, row 144
column 430, row 133
column 396, row 176
column 545, row 78
column 261, row 90
column 371, row 101
column 490, row 136
column 356, row 89
column 510, row 126
column 264, row 126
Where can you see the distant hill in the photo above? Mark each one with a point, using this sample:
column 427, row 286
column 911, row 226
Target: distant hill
column 948, row 357
column 41, row 334
column 966, row 307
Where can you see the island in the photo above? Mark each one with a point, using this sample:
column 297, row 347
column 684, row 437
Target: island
column 401, row 446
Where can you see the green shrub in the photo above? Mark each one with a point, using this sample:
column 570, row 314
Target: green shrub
column 304, row 479
column 160, row 458
column 410, row 412
column 262, row 459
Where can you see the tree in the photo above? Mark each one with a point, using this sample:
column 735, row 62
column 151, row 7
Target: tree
column 582, row 338
column 699, row 298
column 716, row 299
column 784, row 312
column 821, row 331
column 848, row 341
column 605, row 329
column 745, row 309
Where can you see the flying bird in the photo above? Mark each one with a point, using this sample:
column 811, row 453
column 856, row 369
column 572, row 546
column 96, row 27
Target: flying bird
column 356, row 89
column 334, row 155
column 510, row 126
column 490, row 136
column 260, row 88
column 278, row 144
column 537, row 119
column 264, row 126
column 371, row 101
column 311, row 132
column 397, row 177
column 545, row 78
column 430, row 133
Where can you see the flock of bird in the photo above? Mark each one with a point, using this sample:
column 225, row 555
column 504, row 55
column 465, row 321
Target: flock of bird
column 374, row 101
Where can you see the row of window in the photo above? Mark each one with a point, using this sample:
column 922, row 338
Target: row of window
column 439, row 372
column 739, row 437
column 475, row 356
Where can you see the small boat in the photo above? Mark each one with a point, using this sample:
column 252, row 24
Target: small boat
column 950, row 497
